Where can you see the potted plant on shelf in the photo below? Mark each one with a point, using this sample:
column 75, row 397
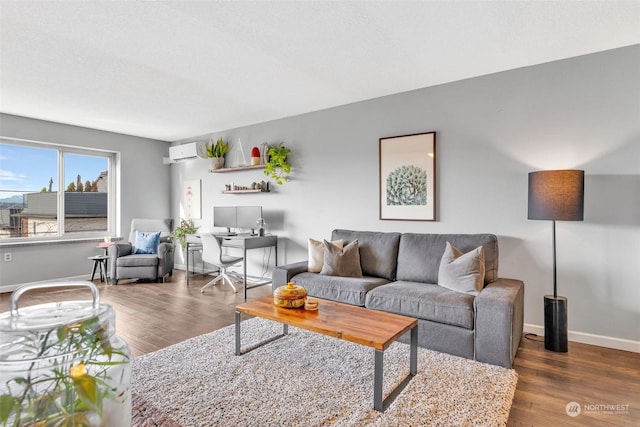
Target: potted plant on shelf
column 277, row 166
column 180, row 233
column 216, row 151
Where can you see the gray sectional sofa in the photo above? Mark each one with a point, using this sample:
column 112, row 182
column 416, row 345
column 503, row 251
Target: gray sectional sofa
column 400, row 275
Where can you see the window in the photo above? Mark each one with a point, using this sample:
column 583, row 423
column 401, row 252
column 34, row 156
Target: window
column 53, row 191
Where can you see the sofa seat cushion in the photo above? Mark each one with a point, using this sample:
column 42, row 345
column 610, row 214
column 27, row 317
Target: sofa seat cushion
column 424, row 301
column 138, row 260
column 349, row 290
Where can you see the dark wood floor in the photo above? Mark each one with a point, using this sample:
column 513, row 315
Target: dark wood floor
column 151, row 316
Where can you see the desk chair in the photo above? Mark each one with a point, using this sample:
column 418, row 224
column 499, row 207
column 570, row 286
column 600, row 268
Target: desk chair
column 212, row 253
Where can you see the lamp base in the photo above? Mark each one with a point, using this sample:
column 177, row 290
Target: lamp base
column 555, row 323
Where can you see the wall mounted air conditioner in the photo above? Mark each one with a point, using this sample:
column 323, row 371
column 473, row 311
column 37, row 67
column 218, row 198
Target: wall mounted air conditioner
column 191, row 150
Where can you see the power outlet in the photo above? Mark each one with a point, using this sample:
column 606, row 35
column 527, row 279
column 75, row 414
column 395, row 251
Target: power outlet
column 8, row 256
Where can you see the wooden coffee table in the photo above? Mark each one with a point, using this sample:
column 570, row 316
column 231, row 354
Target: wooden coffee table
column 372, row 328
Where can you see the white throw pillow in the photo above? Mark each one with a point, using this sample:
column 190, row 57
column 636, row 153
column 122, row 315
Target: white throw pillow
column 316, row 254
column 462, row 272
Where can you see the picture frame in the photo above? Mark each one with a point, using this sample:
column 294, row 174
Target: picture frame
column 191, row 204
column 408, row 177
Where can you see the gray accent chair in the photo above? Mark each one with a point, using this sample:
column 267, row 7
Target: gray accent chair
column 400, row 275
column 125, row 264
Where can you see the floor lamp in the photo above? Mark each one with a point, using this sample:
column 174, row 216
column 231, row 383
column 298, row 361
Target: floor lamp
column 556, row 195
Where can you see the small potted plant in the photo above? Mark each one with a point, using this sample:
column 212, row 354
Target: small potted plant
column 180, row 233
column 216, row 151
column 277, row 167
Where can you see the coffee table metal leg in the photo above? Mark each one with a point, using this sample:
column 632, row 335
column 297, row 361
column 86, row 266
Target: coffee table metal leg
column 413, row 357
column 380, row 404
column 285, row 331
column 378, row 374
column 237, row 333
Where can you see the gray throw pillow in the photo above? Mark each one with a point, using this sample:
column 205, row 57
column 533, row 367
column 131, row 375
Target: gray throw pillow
column 316, row 254
column 341, row 261
column 462, row 272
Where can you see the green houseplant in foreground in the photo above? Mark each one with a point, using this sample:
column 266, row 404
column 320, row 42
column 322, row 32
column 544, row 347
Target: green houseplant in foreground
column 180, row 233
column 277, row 167
column 71, row 382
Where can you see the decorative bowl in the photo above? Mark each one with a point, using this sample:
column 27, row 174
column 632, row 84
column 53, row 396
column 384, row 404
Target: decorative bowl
column 290, row 296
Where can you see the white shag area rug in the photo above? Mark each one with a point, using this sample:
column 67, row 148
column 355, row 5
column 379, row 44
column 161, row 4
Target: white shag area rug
column 312, row 380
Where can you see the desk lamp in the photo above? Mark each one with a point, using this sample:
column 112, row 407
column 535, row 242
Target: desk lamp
column 556, row 195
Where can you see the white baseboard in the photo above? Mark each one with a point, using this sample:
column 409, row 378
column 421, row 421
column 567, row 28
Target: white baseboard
column 592, row 339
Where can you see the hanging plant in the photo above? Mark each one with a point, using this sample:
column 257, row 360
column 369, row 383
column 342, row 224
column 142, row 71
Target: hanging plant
column 277, row 167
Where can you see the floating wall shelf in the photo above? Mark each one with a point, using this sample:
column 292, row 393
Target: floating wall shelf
column 237, row 169
column 244, row 191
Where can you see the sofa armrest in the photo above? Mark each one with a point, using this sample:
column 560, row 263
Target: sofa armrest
column 499, row 311
column 282, row 274
column 165, row 253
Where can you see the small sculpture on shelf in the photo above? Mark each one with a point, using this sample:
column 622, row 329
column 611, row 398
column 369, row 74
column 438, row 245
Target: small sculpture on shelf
column 262, row 186
column 255, row 156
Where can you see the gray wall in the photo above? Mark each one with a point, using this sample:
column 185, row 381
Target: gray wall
column 581, row 113
column 144, row 193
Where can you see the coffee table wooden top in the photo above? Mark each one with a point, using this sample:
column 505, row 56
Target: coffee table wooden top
column 372, row 328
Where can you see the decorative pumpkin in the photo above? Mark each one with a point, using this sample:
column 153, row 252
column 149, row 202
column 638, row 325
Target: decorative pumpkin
column 290, row 296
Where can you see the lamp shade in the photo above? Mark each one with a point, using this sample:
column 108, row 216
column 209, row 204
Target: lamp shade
column 556, row 195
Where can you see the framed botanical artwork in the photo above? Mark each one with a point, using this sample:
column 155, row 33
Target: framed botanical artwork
column 190, row 206
column 408, row 177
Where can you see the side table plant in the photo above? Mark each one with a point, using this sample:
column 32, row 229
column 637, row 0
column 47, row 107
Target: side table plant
column 185, row 228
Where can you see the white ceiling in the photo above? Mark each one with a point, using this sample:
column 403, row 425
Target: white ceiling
column 175, row 69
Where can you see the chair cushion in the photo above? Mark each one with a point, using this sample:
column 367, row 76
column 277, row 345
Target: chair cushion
column 143, row 260
column 146, row 243
column 164, row 226
column 349, row 290
column 424, row 301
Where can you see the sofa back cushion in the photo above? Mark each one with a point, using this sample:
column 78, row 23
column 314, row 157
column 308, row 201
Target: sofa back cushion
column 419, row 255
column 378, row 251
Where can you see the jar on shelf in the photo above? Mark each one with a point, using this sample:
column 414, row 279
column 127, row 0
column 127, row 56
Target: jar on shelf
column 62, row 364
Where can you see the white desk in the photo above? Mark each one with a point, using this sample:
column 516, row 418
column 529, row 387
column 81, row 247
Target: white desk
column 247, row 242
column 244, row 242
